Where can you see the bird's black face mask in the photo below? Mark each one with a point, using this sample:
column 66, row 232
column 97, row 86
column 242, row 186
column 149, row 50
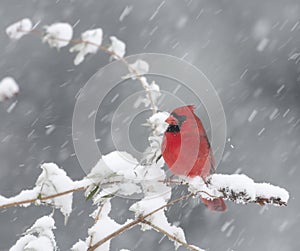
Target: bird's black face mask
column 180, row 120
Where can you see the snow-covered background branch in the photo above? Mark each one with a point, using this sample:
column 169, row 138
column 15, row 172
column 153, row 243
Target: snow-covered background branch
column 256, row 81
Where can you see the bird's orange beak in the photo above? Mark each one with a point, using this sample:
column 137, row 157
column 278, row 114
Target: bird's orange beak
column 171, row 120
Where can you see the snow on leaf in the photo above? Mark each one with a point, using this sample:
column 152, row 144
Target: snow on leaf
column 22, row 243
column 24, row 195
column 139, row 67
column 153, row 152
column 197, row 248
column 114, row 173
column 39, row 237
column 118, row 47
column 80, row 246
column 152, row 89
column 157, row 121
column 58, row 35
column 54, row 180
column 121, row 163
column 103, row 227
column 19, row 29
column 8, row 88
column 195, row 184
column 43, row 226
column 40, row 244
column 159, row 218
column 92, row 192
column 91, row 41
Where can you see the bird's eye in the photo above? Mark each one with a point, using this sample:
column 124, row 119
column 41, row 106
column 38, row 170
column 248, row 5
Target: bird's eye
column 179, row 118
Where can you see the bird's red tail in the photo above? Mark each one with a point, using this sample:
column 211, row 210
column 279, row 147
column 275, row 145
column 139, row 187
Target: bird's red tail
column 216, row 204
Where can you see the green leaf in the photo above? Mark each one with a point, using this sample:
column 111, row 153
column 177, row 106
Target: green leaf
column 110, row 195
column 92, row 193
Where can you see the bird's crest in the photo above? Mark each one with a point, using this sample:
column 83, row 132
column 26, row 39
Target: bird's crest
column 191, row 107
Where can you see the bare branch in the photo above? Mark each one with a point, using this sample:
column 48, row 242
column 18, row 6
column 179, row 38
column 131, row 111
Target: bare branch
column 170, row 235
column 42, row 198
column 112, row 53
column 96, row 220
column 138, row 220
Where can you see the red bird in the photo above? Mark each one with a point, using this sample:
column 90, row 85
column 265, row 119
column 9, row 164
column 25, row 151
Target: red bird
column 186, row 149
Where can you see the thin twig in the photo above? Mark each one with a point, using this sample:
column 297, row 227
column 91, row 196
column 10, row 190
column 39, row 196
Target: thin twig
column 112, row 53
column 138, row 220
column 12, row 204
column 96, row 220
column 174, row 238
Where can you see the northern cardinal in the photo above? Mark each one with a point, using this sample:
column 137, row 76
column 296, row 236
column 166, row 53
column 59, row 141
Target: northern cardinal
column 187, row 151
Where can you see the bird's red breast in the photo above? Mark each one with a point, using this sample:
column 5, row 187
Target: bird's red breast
column 185, row 148
column 187, row 151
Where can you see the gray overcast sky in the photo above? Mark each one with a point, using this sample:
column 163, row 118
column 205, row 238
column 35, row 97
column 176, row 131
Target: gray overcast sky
column 223, row 39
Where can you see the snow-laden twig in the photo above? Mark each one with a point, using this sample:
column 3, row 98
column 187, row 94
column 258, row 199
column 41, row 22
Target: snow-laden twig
column 238, row 188
column 19, row 29
column 242, row 189
column 8, row 88
column 62, row 30
column 90, row 42
column 140, row 219
column 39, row 237
column 119, row 173
column 170, row 236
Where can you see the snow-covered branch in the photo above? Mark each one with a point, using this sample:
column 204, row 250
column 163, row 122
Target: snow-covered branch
column 59, row 35
column 242, row 189
column 118, row 173
column 238, row 188
column 8, row 88
column 38, row 237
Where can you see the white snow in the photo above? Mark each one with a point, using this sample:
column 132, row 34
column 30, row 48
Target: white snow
column 23, row 195
column 103, row 227
column 58, row 35
column 39, row 244
column 252, row 115
column 157, row 121
column 19, row 29
column 125, row 12
column 266, row 190
column 274, row 114
column 121, row 163
column 152, row 89
column 159, row 218
column 296, row 57
column 91, row 41
column 45, row 239
column 80, row 246
column 11, row 107
column 50, row 129
column 8, row 88
column 261, row 29
column 244, row 187
column 139, row 67
column 118, row 47
column 117, row 171
column 54, row 180
column 238, row 183
column 262, row 44
column 22, row 243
